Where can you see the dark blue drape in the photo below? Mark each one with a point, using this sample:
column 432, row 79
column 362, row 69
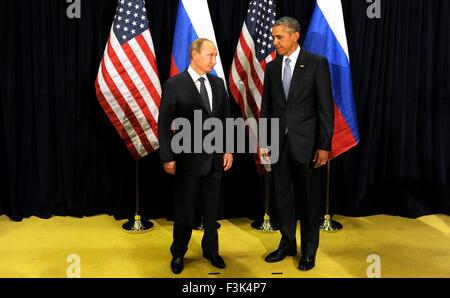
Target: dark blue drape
column 59, row 155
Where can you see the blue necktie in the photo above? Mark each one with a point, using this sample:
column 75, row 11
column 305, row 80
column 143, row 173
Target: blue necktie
column 287, row 75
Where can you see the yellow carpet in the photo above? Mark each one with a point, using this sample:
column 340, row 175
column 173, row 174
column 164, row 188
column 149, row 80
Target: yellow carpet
column 40, row 248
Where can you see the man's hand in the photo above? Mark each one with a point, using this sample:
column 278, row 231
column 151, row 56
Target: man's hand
column 170, row 167
column 227, row 161
column 321, row 158
column 263, row 154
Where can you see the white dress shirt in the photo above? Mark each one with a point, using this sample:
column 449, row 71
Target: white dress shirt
column 293, row 57
column 195, row 76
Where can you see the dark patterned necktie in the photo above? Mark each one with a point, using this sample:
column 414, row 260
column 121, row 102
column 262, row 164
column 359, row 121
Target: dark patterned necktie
column 204, row 94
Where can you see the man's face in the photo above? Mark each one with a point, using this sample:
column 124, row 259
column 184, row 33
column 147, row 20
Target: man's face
column 205, row 59
column 284, row 40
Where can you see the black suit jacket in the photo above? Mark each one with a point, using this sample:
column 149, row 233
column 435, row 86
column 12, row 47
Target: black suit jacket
column 308, row 111
column 180, row 98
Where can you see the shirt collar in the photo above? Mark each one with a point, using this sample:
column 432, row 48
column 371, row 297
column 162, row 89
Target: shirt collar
column 294, row 56
column 194, row 75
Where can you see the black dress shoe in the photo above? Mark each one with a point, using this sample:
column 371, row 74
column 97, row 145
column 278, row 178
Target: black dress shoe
column 306, row 263
column 215, row 260
column 280, row 254
column 177, row 265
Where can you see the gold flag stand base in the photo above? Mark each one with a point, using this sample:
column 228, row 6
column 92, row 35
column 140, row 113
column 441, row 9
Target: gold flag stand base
column 330, row 225
column 266, row 226
column 138, row 225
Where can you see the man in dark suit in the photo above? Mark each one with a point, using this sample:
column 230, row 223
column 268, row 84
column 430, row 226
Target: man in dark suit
column 297, row 91
column 191, row 94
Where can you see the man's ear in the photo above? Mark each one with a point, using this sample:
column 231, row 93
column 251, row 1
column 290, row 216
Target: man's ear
column 297, row 36
column 194, row 53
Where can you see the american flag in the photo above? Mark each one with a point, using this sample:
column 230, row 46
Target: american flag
column 127, row 84
column 254, row 50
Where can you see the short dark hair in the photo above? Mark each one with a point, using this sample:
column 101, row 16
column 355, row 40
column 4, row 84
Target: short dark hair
column 289, row 22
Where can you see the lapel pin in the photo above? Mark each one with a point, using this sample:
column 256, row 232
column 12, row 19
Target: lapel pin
column 302, row 66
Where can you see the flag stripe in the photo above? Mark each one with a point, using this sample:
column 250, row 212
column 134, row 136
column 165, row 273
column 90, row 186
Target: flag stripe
column 243, row 76
column 141, row 80
column 193, row 21
column 245, row 58
column 346, row 141
column 145, row 41
column 173, row 67
column 238, row 92
column 150, row 63
column 116, row 87
column 326, row 37
column 128, row 131
column 242, row 95
column 184, row 35
column 138, row 45
column 253, row 51
column 147, row 78
column 127, row 82
column 248, row 46
column 113, row 115
column 123, row 121
column 200, row 18
column 129, row 92
column 332, row 13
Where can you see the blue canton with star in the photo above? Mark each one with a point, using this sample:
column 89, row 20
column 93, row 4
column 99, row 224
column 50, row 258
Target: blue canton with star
column 260, row 19
column 131, row 20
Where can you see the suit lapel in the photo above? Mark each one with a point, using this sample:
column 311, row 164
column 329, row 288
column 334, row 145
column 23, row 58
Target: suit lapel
column 299, row 70
column 194, row 92
column 279, row 83
column 214, row 89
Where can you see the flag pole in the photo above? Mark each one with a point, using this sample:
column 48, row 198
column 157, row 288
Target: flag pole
column 328, row 224
column 137, row 225
column 266, row 225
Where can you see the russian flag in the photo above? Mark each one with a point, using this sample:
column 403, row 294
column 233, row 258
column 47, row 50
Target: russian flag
column 193, row 22
column 326, row 37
